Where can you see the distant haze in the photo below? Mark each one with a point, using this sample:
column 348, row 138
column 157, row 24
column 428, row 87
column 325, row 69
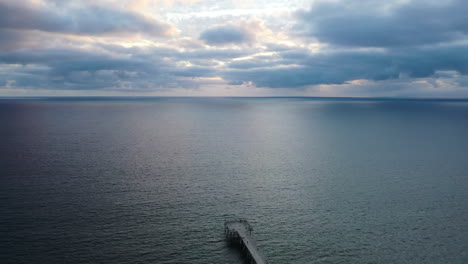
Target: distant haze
column 393, row 48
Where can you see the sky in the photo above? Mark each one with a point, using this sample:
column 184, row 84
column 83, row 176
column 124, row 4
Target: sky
column 365, row 48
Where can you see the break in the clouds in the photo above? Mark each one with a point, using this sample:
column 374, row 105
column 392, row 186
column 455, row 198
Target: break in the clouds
column 313, row 48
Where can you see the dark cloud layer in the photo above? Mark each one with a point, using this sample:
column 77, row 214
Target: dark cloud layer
column 91, row 20
column 73, row 69
column 77, row 69
column 342, row 67
column 225, row 35
column 367, row 24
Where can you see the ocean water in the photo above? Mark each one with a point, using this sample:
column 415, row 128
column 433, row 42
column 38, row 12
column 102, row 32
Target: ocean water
column 108, row 180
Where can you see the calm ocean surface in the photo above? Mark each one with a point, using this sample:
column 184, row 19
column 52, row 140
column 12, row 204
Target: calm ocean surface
column 152, row 180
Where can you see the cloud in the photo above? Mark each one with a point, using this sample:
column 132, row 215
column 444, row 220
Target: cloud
column 369, row 25
column 71, row 69
column 86, row 20
column 10, row 39
column 403, row 41
column 142, row 69
column 394, row 48
column 299, row 69
column 227, row 34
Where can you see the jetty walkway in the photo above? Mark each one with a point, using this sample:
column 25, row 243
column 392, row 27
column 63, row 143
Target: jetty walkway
column 239, row 232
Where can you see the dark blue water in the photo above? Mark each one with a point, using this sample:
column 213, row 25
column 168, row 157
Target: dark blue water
column 152, row 180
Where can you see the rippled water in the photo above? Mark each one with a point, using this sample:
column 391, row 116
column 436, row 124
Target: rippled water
column 152, row 180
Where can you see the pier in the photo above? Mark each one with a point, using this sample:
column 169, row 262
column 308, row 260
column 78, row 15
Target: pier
column 239, row 232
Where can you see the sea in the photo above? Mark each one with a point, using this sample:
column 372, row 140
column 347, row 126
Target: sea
column 152, row 180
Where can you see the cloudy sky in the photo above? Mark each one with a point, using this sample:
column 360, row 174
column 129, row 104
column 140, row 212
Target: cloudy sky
column 370, row 48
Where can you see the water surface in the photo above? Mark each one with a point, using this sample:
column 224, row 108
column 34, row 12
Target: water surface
column 102, row 180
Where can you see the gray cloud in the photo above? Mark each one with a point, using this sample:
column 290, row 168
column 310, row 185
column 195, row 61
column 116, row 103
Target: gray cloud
column 88, row 20
column 68, row 69
column 342, row 67
column 367, row 24
column 293, row 68
column 225, row 35
column 85, row 70
column 9, row 39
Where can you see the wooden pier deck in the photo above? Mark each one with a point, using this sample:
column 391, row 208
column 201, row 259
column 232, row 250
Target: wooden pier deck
column 239, row 232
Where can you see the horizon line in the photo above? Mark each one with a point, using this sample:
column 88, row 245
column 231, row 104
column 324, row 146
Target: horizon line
column 259, row 97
